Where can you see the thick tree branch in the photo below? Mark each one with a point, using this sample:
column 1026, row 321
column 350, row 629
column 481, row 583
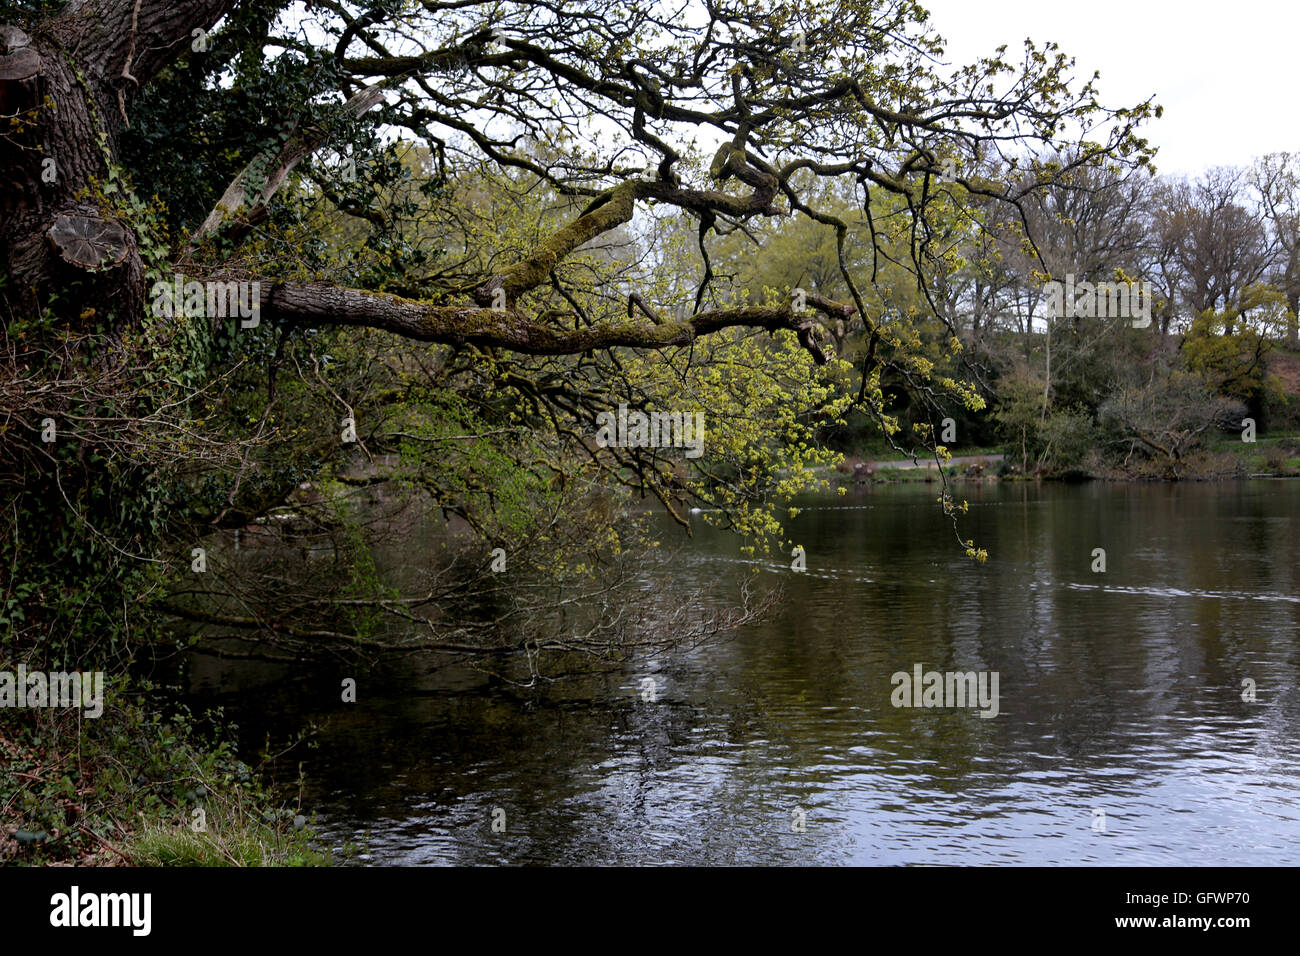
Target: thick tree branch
column 247, row 198
column 604, row 213
column 131, row 40
column 320, row 304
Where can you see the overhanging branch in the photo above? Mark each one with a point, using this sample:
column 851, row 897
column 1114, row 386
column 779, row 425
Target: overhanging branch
column 321, row 304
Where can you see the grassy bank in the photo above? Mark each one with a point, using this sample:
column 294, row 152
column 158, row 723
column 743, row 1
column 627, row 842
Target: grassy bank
column 144, row 784
column 1272, row 456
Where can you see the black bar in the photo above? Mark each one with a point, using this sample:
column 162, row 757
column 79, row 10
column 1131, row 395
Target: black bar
column 949, row 906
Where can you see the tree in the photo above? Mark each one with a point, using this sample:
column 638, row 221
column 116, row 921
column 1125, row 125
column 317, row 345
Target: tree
column 1157, row 424
column 1218, row 240
column 152, row 141
column 1276, row 180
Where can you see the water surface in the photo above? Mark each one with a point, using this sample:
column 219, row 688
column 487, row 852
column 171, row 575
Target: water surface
column 1120, row 692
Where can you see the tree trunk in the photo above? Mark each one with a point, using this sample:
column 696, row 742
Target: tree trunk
column 72, row 81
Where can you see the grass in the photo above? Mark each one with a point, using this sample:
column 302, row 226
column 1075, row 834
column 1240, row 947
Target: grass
column 887, row 454
column 129, row 787
column 1231, row 443
column 230, row 837
column 1268, row 454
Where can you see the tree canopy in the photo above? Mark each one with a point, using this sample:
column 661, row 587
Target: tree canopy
column 456, row 232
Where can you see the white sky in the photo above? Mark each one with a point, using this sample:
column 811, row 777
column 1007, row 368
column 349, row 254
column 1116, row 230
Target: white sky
column 1227, row 74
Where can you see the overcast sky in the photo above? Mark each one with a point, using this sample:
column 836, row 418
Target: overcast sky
column 1227, row 75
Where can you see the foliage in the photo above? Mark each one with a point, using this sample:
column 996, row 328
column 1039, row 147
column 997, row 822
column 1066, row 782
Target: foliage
column 123, row 787
column 1232, row 360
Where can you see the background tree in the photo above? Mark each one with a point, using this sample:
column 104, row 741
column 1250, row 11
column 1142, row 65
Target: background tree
column 1276, row 180
column 1219, row 241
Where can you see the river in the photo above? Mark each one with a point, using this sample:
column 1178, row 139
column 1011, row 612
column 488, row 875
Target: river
column 1121, row 737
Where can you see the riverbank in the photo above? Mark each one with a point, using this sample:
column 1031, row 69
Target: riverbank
column 1275, row 456
column 144, row 784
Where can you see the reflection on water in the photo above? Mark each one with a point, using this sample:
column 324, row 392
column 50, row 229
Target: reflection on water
column 1119, row 692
